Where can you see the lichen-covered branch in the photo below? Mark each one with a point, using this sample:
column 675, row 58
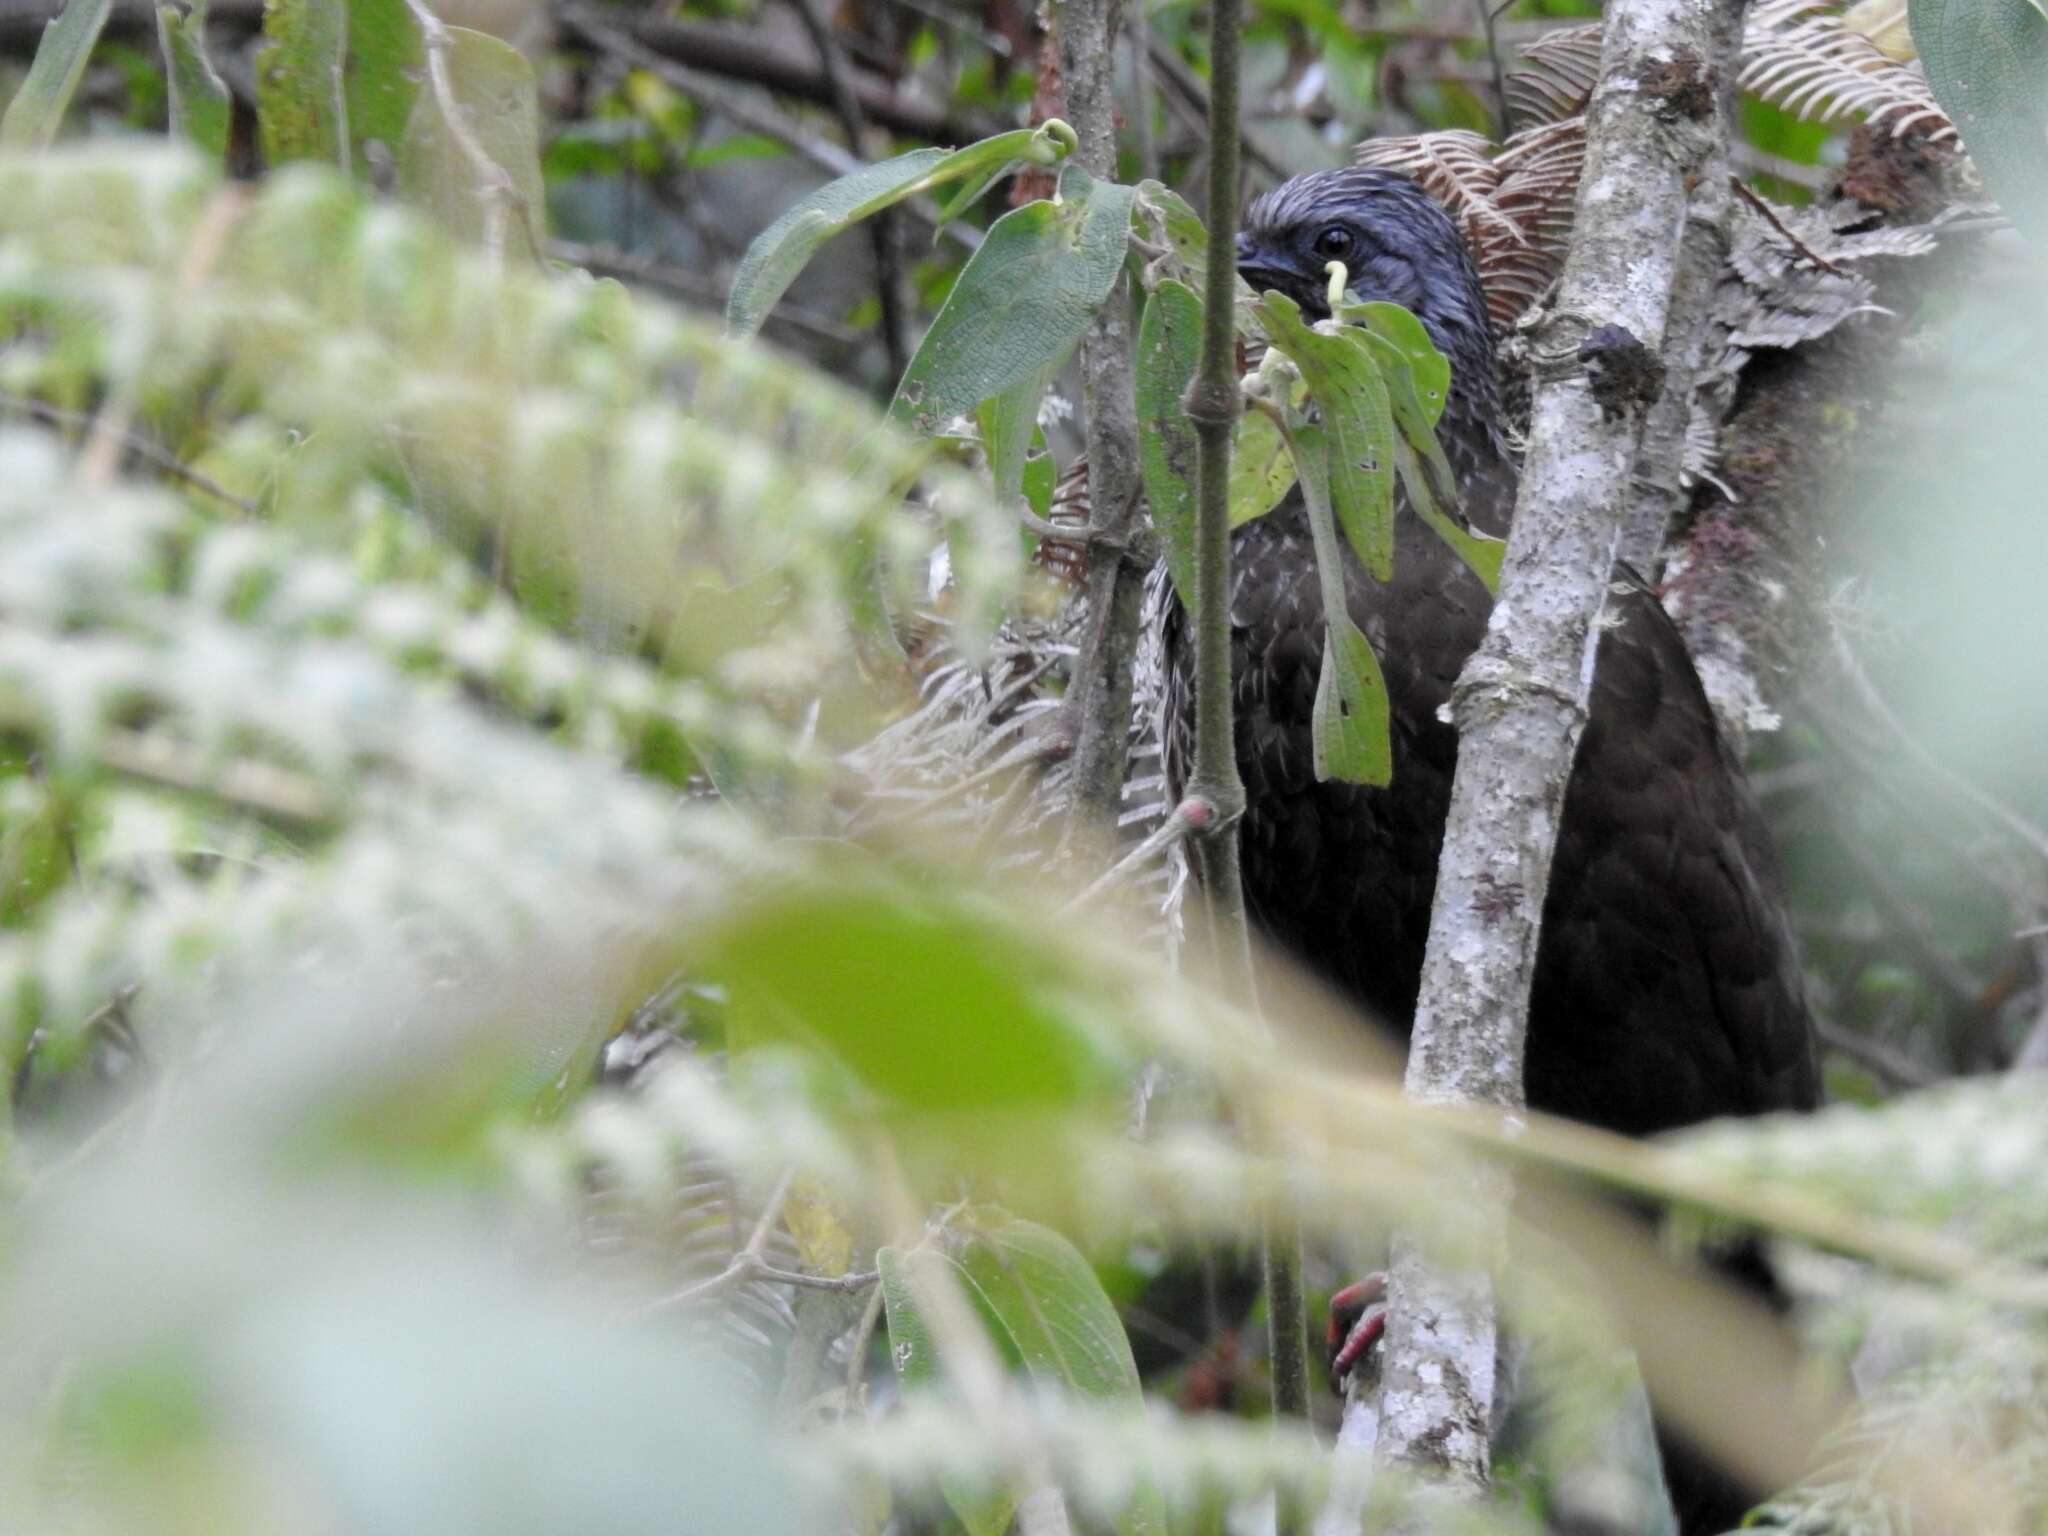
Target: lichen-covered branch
column 1521, row 700
column 1086, row 31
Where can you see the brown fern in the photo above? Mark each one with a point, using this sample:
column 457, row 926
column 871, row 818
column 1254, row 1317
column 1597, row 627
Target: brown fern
column 1800, row 57
column 1555, row 76
column 1455, row 166
column 1539, row 182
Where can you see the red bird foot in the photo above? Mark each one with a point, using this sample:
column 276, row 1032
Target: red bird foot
column 1358, row 1316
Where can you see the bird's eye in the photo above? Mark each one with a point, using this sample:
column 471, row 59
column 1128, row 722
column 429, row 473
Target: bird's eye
column 1333, row 243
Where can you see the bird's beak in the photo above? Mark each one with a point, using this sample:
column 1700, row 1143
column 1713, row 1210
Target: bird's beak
column 1265, row 270
column 1259, row 269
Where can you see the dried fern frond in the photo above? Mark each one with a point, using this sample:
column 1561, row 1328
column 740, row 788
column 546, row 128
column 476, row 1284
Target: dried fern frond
column 1455, row 166
column 1539, row 183
column 1799, row 56
column 1555, row 76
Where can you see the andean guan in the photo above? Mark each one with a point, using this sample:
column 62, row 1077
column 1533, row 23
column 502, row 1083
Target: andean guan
column 1667, row 990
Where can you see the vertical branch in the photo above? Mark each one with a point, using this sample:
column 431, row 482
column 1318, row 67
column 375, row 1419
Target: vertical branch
column 1521, row 701
column 1086, row 33
column 1660, row 458
column 1214, row 787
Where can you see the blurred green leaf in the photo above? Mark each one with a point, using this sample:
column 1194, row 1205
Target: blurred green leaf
column 301, row 106
column 480, row 176
column 1064, row 1328
column 1987, row 61
column 932, row 1006
column 199, row 105
column 1169, row 347
column 38, row 108
column 1021, row 302
column 1345, row 380
column 383, row 72
column 984, row 1507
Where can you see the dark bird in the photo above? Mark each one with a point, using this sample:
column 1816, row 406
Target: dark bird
column 1667, row 990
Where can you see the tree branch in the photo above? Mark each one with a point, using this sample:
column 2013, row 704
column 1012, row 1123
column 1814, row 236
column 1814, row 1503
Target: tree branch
column 1085, row 31
column 1213, row 405
column 1520, row 702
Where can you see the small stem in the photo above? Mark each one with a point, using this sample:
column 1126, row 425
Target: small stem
column 1186, row 816
column 1213, row 404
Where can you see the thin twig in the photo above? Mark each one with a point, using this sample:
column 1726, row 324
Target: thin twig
column 857, row 1349
column 1489, row 15
column 889, row 289
column 1896, row 1068
column 1188, row 86
column 591, row 25
column 1186, row 817
column 149, row 451
column 1987, row 804
column 609, row 261
column 744, row 1263
column 1214, row 403
column 1743, row 191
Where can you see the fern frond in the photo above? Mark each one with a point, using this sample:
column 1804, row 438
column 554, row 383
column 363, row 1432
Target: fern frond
column 1454, row 166
column 1555, row 76
column 1799, row 56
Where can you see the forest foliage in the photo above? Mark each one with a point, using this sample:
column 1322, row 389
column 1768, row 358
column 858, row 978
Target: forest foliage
column 495, row 1046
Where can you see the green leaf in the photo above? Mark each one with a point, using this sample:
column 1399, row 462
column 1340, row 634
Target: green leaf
column 38, row 107
column 1037, row 1287
column 1351, row 726
column 1400, row 330
column 1345, row 380
column 1987, row 63
column 932, row 1006
column 502, row 204
column 1169, row 347
column 1483, row 554
column 383, row 74
column 1183, row 229
column 1041, row 477
column 301, row 111
column 984, row 1508
column 1042, row 1291
column 784, row 248
column 1261, row 468
column 1008, row 422
column 1021, row 302
column 199, row 99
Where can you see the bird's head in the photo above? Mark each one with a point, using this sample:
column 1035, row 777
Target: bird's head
column 1396, row 243
column 1398, row 246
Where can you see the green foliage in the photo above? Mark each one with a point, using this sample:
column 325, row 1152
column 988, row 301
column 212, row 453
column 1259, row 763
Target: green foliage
column 1985, row 60
column 783, row 249
column 1021, row 303
column 38, row 107
column 1169, row 346
column 199, row 106
column 487, row 690
column 473, row 156
column 302, row 106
